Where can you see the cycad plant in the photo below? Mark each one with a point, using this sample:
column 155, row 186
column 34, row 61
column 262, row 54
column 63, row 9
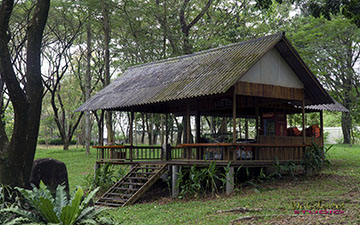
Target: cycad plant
column 59, row 210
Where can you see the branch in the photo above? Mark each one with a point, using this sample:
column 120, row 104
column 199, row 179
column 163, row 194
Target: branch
column 34, row 85
column 183, row 24
column 16, row 94
column 201, row 14
column 4, row 140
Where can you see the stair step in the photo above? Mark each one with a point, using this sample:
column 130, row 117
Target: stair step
column 148, row 167
column 119, row 194
column 131, row 187
column 125, row 189
column 120, row 200
column 108, row 204
column 145, row 173
column 138, row 178
column 132, row 183
column 134, row 180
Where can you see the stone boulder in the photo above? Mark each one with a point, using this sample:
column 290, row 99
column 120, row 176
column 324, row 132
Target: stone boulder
column 51, row 171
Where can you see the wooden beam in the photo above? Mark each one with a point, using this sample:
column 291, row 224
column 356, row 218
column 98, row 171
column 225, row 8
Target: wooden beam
column 322, row 128
column 187, row 123
column 188, row 129
column 234, row 116
column 166, row 128
column 197, row 122
column 162, row 129
column 269, row 91
column 303, row 121
column 131, row 138
column 257, row 123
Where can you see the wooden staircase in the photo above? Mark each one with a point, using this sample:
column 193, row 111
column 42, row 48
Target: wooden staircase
column 132, row 186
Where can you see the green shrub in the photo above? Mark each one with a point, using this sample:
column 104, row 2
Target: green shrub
column 8, row 198
column 45, row 209
column 105, row 177
column 315, row 158
column 194, row 181
column 55, row 141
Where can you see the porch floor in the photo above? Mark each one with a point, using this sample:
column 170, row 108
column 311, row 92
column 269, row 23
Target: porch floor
column 202, row 163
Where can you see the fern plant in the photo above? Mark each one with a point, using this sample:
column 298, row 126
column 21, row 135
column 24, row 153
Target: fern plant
column 194, row 181
column 59, row 210
column 8, row 198
column 105, row 177
column 315, row 158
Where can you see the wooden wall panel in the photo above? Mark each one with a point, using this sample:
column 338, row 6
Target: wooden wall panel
column 269, row 91
column 288, row 153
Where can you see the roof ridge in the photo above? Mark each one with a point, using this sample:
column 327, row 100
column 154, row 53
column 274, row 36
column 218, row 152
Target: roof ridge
column 279, row 34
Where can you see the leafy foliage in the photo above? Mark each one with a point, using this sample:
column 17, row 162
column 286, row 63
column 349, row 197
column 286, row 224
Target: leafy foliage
column 331, row 49
column 315, row 158
column 56, row 210
column 105, row 177
column 8, row 198
column 194, row 182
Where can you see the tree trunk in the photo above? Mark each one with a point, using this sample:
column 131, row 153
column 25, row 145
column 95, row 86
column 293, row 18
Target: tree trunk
column 88, row 85
column 106, row 27
column 16, row 156
column 346, row 127
column 185, row 28
column 100, row 125
column 66, row 144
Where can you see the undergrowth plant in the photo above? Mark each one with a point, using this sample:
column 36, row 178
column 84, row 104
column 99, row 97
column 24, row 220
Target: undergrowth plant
column 194, row 181
column 8, row 198
column 105, row 177
column 47, row 209
column 315, row 158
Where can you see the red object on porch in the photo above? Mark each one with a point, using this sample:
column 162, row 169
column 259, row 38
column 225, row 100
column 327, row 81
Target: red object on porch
column 293, row 131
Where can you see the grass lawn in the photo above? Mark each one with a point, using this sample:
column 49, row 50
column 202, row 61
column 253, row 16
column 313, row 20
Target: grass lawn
column 338, row 184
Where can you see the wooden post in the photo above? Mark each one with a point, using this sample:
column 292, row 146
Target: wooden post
column 174, row 179
column 322, row 128
column 303, row 122
column 187, row 123
column 246, row 129
column 197, row 122
column 152, row 129
column 102, row 127
column 162, row 129
column 166, row 129
column 197, row 126
column 234, row 116
column 131, row 139
column 188, row 128
column 230, row 181
column 96, row 167
column 257, row 123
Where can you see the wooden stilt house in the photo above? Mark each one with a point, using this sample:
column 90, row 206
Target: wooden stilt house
column 262, row 79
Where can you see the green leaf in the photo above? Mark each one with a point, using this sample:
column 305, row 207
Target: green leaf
column 70, row 212
column 46, row 208
column 86, row 201
column 61, row 200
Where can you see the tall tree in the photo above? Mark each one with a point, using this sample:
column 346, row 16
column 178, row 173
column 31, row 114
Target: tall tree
column 58, row 54
column 106, row 28
column 17, row 153
column 332, row 49
column 88, row 83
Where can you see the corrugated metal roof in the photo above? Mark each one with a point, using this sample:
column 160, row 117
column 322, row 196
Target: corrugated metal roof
column 208, row 72
column 329, row 107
